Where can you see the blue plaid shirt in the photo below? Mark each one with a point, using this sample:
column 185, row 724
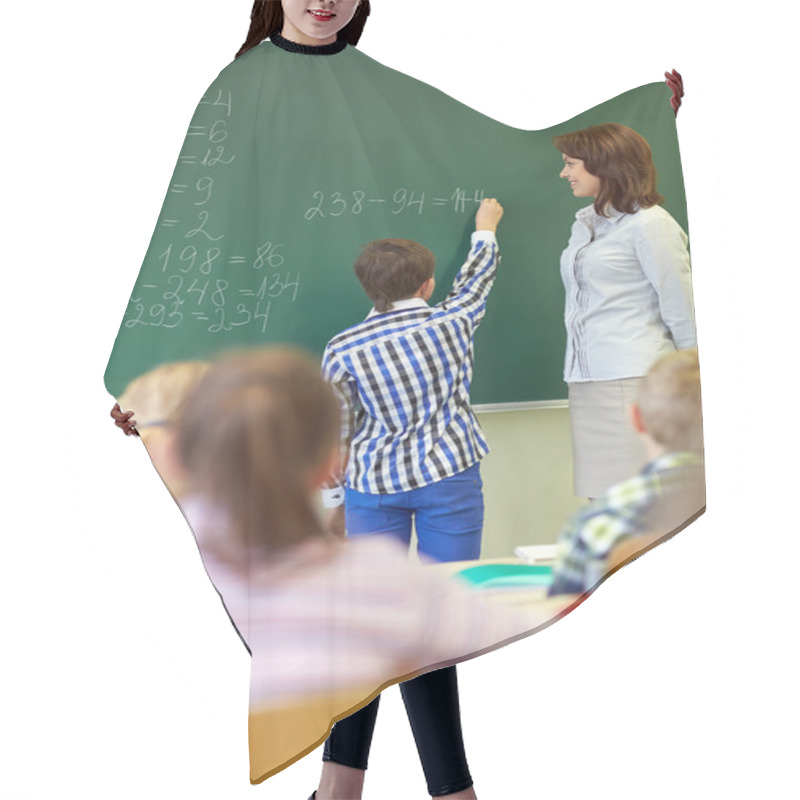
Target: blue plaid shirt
column 660, row 498
column 403, row 379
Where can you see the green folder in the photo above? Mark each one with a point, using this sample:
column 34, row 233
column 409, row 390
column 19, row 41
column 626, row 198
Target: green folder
column 507, row 576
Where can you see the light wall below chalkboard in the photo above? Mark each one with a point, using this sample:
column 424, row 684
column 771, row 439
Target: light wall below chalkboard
column 527, row 478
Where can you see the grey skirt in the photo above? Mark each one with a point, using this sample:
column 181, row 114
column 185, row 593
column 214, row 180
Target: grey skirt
column 605, row 447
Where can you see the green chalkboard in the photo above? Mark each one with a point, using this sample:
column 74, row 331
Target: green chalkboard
column 293, row 161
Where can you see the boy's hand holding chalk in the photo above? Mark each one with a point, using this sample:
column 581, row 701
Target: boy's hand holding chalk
column 489, row 214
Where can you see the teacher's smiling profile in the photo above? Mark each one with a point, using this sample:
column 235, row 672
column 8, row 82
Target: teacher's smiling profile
column 627, row 279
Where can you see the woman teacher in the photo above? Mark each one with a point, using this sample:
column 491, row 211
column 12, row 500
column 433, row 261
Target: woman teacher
column 628, row 290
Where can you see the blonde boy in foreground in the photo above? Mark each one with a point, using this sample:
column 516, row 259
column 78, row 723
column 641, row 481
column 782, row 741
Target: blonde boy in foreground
column 663, row 497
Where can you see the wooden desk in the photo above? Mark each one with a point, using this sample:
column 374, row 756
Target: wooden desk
column 280, row 735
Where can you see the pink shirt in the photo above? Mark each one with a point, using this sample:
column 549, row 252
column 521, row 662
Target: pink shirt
column 330, row 615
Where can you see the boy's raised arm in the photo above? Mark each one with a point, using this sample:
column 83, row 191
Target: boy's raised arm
column 475, row 278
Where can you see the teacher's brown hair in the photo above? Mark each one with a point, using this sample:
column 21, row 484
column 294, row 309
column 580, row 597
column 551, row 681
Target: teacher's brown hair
column 623, row 161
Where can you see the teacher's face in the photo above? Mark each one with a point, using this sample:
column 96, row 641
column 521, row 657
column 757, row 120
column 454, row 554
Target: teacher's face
column 316, row 22
column 581, row 181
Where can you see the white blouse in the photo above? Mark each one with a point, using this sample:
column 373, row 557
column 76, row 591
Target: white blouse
column 628, row 293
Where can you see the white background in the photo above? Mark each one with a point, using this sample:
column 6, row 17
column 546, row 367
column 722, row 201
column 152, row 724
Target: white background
column 121, row 678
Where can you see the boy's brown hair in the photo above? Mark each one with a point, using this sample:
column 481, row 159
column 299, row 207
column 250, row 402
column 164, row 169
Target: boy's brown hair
column 393, row 269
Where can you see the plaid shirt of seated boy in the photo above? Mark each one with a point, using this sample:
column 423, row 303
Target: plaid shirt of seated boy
column 661, row 496
column 403, row 379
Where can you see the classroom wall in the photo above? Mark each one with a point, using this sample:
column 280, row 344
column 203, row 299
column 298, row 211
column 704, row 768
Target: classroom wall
column 527, row 478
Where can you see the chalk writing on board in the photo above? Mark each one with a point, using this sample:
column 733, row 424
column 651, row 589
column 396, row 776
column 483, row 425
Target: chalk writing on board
column 224, row 98
column 217, row 156
column 401, row 201
column 192, row 289
column 205, row 187
column 196, row 277
column 203, row 216
column 269, row 254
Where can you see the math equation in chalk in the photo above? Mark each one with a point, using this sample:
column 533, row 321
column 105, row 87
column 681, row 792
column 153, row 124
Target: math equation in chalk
column 401, row 201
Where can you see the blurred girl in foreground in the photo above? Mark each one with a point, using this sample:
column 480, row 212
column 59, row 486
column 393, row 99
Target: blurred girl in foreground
column 321, row 615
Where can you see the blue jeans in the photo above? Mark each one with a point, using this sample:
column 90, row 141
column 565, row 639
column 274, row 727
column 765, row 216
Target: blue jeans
column 447, row 515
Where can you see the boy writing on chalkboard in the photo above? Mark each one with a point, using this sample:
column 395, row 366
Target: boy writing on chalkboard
column 665, row 495
column 414, row 448
column 403, row 377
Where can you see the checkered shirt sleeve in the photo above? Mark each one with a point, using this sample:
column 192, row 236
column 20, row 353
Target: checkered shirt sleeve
column 624, row 511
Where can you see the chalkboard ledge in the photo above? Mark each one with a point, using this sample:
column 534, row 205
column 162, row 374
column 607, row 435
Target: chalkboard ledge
column 491, row 408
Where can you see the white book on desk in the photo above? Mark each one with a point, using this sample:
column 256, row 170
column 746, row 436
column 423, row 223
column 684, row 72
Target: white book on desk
column 537, row 553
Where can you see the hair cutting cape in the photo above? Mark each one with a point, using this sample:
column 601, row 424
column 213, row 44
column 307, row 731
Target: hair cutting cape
column 293, row 161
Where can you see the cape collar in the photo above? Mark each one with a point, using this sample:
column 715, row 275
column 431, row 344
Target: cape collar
column 307, row 49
